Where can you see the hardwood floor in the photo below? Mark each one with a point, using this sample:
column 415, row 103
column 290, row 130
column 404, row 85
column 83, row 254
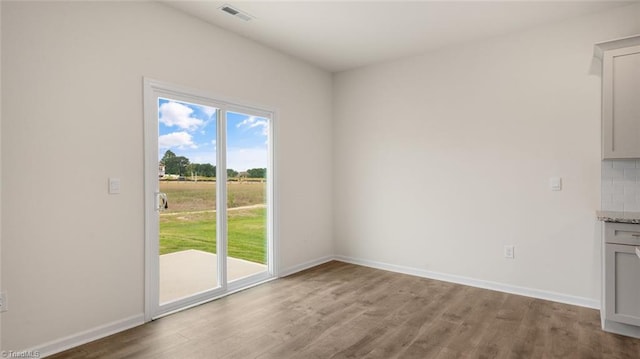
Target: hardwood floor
column 340, row 310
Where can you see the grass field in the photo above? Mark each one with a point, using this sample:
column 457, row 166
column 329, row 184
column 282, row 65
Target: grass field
column 190, row 220
column 201, row 196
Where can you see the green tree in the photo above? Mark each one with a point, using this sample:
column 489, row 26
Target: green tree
column 193, row 168
column 257, row 172
column 204, row 169
column 168, row 155
column 231, row 173
column 176, row 165
column 208, row 170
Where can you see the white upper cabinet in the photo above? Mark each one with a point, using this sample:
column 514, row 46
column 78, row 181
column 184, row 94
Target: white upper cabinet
column 620, row 97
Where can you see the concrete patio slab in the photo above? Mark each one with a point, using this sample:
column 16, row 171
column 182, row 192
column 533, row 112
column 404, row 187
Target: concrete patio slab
column 188, row 272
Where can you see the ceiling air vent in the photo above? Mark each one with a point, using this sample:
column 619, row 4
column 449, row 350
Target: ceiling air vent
column 235, row 12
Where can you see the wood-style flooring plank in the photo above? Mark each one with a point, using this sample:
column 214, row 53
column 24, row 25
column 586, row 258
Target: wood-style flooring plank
column 340, row 310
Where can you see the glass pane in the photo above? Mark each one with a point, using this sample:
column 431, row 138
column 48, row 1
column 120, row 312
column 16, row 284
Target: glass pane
column 187, row 175
column 247, row 165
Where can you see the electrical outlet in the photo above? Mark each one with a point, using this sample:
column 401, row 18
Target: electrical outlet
column 4, row 304
column 508, row 251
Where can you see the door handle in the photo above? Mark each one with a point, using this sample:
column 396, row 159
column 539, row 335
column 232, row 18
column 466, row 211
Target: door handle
column 162, row 202
column 638, row 251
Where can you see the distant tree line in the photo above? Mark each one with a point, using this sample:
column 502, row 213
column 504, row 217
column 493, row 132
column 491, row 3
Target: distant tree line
column 181, row 166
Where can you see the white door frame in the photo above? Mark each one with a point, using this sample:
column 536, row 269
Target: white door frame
column 152, row 90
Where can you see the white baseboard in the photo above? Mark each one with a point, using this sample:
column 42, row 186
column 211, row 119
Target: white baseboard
column 59, row 345
column 472, row 282
column 306, row 265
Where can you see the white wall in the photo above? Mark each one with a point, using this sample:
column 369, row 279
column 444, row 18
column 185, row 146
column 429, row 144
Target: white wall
column 442, row 159
column 72, row 256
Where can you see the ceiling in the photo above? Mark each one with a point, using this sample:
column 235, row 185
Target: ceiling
column 342, row 35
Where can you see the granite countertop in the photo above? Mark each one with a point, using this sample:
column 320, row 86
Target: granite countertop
column 619, row 217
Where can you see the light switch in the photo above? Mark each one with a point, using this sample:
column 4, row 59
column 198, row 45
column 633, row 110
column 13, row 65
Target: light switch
column 114, row 185
column 555, row 183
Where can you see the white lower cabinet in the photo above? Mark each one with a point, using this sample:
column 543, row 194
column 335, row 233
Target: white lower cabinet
column 621, row 301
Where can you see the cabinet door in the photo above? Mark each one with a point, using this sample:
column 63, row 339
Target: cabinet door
column 622, row 284
column 620, row 105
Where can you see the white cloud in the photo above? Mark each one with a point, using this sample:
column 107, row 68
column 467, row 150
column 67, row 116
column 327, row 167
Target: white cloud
column 203, row 157
column 176, row 114
column 176, row 140
column 208, row 110
column 253, row 122
column 242, row 159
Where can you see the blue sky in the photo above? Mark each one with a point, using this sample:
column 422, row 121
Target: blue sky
column 190, row 130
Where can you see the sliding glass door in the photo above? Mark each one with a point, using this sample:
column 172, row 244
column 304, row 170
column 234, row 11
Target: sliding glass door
column 247, row 144
column 208, row 197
